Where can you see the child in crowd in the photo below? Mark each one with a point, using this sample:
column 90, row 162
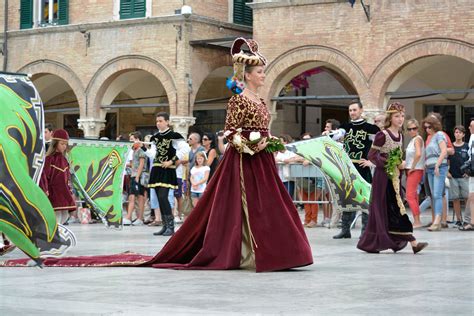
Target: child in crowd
column 55, row 180
column 199, row 176
column 136, row 188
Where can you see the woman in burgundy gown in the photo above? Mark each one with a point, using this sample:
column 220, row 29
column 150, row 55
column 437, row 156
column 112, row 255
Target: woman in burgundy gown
column 389, row 226
column 245, row 218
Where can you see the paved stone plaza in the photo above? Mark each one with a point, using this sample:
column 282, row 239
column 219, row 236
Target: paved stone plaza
column 342, row 281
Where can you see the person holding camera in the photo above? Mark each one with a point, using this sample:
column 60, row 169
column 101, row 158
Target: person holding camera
column 468, row 168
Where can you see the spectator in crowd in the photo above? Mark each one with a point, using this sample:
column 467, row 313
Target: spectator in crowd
column 209, row 143
column 436, row 166
column 199, row 176
column 48, row 134
column 284, row 158
column 459, row 181
column 469, row 211
column 379, row 120
column 414, row 166
column 194, row 141
column 136, row 188
column 182, row 172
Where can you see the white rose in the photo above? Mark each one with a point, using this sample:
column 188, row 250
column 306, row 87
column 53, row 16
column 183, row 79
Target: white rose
column 237, row 140
column 254, row 136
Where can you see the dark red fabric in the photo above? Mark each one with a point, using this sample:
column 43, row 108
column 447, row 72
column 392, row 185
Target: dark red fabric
column 211, row 236
column 55, row 182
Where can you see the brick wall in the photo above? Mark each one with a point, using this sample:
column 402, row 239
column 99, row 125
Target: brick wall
column 394, row 23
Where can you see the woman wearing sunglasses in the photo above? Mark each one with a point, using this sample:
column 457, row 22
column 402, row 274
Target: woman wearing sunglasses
column 415, row 161
column 436, row 166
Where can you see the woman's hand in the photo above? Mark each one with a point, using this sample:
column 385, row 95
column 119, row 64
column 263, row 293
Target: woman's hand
column 436, row 170
column 402, row 165
column 262, row 144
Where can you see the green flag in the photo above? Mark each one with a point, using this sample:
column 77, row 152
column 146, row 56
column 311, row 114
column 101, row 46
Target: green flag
column 97, row 172
column 26, row 215
column 350, row 191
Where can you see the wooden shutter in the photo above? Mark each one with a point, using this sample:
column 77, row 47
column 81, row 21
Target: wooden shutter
column 242, row 12
column 132, row 9
column 26, row 14
column 63, row 12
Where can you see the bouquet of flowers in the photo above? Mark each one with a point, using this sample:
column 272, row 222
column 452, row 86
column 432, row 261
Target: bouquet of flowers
column 273, row 144
column 393, row 161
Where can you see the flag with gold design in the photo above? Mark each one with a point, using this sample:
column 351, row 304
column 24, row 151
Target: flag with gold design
column 349, row 190
column 97, row 169
column 26, row 216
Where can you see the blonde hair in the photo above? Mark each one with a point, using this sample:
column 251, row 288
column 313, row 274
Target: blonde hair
column 414, row 122
column 200, row 154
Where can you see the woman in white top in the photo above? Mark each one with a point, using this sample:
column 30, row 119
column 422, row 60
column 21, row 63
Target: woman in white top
column 199, row 176
column 415, row 160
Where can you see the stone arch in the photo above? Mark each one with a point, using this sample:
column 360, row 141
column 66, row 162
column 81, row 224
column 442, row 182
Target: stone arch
column 201, row 71
column 104, row 76
column 327, row 56
column 392, row 64
column 63, row 72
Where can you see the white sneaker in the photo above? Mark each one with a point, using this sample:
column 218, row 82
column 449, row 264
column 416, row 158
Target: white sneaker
column 178, row 220
column 126, row 222
column 138, row 222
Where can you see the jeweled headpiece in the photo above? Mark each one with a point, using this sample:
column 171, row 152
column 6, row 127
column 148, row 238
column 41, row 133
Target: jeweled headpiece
column 241, row 59
column 395, row 107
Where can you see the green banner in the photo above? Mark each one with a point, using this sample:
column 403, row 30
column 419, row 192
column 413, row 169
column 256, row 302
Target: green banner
column 26, row 215
column 350, row 191
column 97, row 174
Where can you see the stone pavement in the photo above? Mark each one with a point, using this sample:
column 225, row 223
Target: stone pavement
column 342, row 281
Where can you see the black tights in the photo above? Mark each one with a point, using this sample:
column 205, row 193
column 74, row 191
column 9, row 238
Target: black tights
column 162, row 194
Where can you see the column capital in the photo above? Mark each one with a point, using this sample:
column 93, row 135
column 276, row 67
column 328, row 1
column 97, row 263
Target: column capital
column 91, row 127
column 181, row 123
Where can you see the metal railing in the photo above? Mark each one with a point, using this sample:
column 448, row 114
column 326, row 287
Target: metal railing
column 306, row 184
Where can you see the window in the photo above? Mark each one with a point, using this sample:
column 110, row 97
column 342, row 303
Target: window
column 43, row 13
column 242, row 12
column 130, row 9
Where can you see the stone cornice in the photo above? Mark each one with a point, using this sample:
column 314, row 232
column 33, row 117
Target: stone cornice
column 127, row 23
column 265, row 4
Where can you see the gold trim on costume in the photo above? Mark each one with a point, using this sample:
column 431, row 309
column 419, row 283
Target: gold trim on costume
column 64, row 207
column 399, row 233
column 159, row 164
column 163, row 185
column 62, row 170
column 245, row 206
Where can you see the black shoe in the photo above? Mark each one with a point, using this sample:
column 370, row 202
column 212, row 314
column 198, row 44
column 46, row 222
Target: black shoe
column 342, row 234
column 159, row 233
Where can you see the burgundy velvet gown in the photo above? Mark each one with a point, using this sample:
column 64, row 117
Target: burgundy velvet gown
column 388, row 226
column 212, row 237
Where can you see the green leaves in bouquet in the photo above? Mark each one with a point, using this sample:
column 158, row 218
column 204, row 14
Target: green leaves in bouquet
column 393, row 161
column 274, row 144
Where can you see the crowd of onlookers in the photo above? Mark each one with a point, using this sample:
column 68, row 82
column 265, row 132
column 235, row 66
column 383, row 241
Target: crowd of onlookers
column 436, row 173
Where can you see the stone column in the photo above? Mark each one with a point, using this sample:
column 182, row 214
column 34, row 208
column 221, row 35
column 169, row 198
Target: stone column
column 91, row 127
column 181, row 124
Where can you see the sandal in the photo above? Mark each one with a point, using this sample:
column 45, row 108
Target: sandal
column 465, row 228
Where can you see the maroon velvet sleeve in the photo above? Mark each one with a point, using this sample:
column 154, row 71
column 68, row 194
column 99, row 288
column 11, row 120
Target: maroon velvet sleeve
column 375, row 156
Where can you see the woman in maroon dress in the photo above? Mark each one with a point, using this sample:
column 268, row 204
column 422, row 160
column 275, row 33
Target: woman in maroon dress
column 389, row 226
column 245, row 218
